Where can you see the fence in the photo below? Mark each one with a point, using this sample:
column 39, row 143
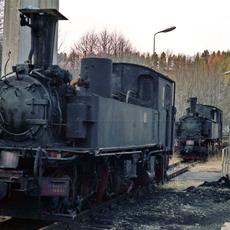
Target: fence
column 225, row 161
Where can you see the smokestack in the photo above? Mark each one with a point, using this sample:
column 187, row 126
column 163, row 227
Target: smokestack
column 43, row 27
column 193, row 102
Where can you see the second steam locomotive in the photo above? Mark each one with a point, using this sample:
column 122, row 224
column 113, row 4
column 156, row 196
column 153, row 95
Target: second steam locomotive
column 199, row 132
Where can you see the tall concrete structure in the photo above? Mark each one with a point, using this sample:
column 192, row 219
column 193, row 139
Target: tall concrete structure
column 16, row 39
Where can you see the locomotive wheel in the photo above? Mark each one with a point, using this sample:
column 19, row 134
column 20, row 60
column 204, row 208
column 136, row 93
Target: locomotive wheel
column 102, row 183
column 115, row 183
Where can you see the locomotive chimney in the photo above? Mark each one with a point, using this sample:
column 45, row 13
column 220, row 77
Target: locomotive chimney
column 193, row 102
column 43, row 27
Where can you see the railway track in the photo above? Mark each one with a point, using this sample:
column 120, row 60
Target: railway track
column 96, row 219
column 179, row 168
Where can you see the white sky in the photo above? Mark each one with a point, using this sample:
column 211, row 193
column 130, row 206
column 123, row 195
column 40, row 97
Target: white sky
column 201, row 24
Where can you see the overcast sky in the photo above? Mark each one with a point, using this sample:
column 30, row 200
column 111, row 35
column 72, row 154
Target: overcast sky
column 201, row 24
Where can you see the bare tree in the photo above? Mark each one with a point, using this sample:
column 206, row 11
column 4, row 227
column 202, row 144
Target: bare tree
column 104, row 43
column 120, row 45
column 87, row 45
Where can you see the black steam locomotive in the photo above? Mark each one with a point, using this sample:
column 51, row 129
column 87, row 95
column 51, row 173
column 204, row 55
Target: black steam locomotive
column 67, row 145
column 199, row 132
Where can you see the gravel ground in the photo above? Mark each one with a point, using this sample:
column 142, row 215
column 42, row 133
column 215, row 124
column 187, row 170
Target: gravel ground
column 193, row 208
column 181, row 204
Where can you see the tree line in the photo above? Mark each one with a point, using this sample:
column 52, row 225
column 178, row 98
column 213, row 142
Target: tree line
column 201, row 75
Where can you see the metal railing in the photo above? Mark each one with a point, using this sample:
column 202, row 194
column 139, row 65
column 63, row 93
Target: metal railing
column 225, row 161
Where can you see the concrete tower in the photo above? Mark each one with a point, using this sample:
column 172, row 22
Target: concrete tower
column 16, row 39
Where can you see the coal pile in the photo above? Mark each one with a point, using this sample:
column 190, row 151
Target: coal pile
column 223, row 182
column 206, row 207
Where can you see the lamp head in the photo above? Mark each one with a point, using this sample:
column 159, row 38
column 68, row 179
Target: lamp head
column 168, row 29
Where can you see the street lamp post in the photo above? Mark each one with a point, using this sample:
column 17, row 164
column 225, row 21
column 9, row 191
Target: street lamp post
column 162, row 31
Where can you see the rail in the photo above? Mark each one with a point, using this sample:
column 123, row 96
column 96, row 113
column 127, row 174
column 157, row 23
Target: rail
column 179, row 168
column 225, row 161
